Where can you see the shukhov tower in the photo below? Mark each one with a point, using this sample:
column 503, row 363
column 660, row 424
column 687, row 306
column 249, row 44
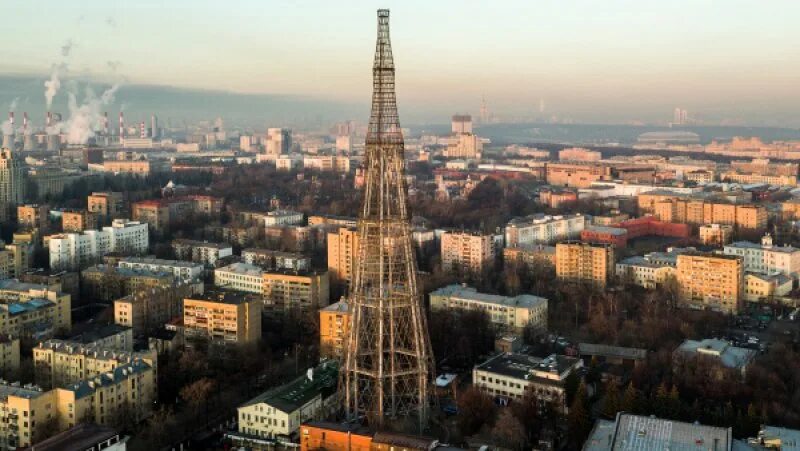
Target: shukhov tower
column 388, row 361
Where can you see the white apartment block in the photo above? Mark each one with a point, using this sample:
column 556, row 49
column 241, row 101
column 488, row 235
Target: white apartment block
column 327, row 163
column 766, row 258
column 543, row 229
column 182, row 270
column 283, row 217
column 510, row 313
column 240, row 277
column 73, row 250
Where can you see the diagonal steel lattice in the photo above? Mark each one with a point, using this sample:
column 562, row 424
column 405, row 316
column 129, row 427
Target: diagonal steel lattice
column 388, row 360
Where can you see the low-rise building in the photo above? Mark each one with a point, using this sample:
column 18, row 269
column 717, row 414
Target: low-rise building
column 201, row 251
column 641, row 432
column 240, row 277
column 720, row 352
column 270, row 259
column 766, row 258
column 764, row 287
column 507, row 377
column 602, row 234
column 509, row 313
column 278, row 413
column 181, row 270
column 283, row 217
column 223, row 317
column 106, row 282
column 716, row 234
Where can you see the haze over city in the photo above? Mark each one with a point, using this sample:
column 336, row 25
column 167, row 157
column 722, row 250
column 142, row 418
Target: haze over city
column 584, row 61
column 413, row 225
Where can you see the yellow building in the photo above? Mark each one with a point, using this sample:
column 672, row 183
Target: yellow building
column 342, row 253
column 761, row 287
column 306, row 290
column 28, row 413
column 32, row 216
column 9, row 355
column 468, row 252
column 672, row 208
column 711, row 281
column 223, row 317
column 78, row 221
column 591, row 263
column 135, row 167
column 153, row 212
column 716, row 234
column 334, row 324
column 28, row 309
column 107, row 205
column 533, row 257
column 58, row 363
column 771, row 179
column 147, row 310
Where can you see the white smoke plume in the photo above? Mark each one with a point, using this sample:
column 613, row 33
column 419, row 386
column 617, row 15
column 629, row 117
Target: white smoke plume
column 6, row 127
column 84, row 119
column 66, row 48
column 52, row 85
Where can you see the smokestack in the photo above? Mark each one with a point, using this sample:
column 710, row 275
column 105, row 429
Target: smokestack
column 24, row 122
column 105, row 123
column 121, row 125
column 11, row 120
column 142, row 132
column 49, row 119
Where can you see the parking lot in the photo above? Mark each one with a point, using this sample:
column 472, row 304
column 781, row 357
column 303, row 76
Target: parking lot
column 762, row 327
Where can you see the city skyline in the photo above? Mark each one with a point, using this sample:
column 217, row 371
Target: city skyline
column 622, row 62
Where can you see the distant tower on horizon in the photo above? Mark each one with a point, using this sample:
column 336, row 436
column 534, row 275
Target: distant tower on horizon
column 680, row 116
column 388, row 365
column 541, row 106
column 484, row 111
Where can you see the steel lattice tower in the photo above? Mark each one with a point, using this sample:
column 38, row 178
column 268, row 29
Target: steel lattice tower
column 388, row 359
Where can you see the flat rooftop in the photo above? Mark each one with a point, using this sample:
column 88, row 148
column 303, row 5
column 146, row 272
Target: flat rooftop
column 523, row 366
column 612, row 351
column 295, row 394
column 634, row 432
column 98, row 332
column 471, row 294
column 159, row 262
column 21, row 391
column 722, row 350
column 337, row 307
column 242, row 269
column 82, row 436
column 222, row 296
column 198, row 243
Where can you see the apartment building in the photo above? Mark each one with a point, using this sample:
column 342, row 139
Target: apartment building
column 467, row 252
column 342, row 255
column 107, row 336
column 269, row 259
column 536, row 256
column 761, row 287
column 671, row 208
column 334, row 325
column 27, row 412
column 223, row 317
column 78, row 220
column 240, row 277
column 507, row 377
column 32, row 216
column 279, row 412
column 306, row 290
column 576, row 174
column 766, row 258
column 75, row 250
column 108, row 205
column 283, row 217
column 150, row 309
column 591, row 263
column 33, row 310
column 650, row 270
column 106, row 282
column 510, row 313
column 715, row 234
column 181, row 270
column 201, row 251
column 9, row 355
column 58, row 363
column 711, row 281
column 543, row 229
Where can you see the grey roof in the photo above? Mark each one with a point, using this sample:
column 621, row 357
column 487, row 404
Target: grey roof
column 118, row 374
column 293, row 395
column 612, row 351
column 340, row 307
column 523, row 366
column 15, row 389
column 609, row 230
column 243, row 269
column 729, row 356
column 634, row 432
column 84, row 436
column 751, row 245
column 159, row 262
column 601, row 436
column 469, row 293
column 99, row 332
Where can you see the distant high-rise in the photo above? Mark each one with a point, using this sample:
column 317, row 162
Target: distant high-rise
column 388, row 367
column 154, row 127
column 680, row 117
column 12, row 183
column 462, row 123
column 279, row 141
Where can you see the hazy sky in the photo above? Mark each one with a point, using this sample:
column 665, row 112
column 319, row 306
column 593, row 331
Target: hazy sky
column 601, row 61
